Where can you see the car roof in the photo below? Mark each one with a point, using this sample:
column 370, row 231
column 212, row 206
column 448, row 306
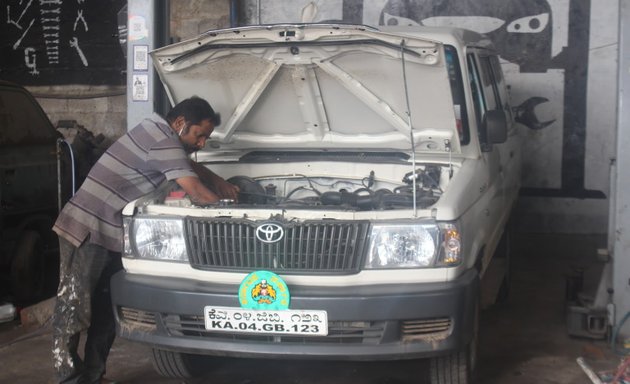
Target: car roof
column 5, row 83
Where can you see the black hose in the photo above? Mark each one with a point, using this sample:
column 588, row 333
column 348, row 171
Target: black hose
column 615, row 334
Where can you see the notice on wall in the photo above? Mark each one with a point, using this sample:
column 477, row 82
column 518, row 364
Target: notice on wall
column 56, row 42
column 140, row 57
column 140, row 87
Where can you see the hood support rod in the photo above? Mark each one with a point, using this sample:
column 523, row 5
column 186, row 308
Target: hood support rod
column 409, row 123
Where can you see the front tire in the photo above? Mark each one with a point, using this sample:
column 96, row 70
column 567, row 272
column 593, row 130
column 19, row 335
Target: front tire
column 178, row 365
column 451, row 369
column 459, row 367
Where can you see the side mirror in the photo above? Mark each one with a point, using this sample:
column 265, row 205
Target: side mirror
column 494, row 127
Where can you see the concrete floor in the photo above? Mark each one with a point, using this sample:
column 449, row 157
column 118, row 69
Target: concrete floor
column 523, row 341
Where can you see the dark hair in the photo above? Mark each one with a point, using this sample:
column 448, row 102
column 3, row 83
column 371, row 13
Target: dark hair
column 194, row 110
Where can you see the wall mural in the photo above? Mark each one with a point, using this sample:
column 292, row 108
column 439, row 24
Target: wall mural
column 544, row 49
column 56, row 42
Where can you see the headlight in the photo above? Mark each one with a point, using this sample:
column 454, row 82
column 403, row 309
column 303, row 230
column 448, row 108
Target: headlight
column 452, row 243
column 413, row 246
column 159, row 239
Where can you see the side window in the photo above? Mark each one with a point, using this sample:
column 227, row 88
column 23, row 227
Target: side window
column 487, row 86
column 476, row 88
column 490, row 91
column 501, row 86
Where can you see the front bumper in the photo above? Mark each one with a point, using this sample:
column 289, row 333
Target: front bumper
column 365, row 323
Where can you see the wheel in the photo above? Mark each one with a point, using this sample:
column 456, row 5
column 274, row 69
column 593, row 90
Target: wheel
column 459, row 367
column 179, row 365
column 451, row 369
column 28, row 268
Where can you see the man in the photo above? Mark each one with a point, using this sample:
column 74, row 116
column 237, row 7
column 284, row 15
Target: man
column 90, row 227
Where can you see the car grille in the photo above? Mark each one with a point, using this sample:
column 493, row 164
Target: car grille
column 306, row 247
column 137, row 319
column 426, row 329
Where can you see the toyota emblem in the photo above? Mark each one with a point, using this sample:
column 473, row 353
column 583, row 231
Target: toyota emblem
column 269, row 232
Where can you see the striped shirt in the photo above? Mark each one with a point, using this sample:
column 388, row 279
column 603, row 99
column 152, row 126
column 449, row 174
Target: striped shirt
column 133, row 166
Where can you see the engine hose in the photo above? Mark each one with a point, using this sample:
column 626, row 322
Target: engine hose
column 59, row 141
column 347, row 198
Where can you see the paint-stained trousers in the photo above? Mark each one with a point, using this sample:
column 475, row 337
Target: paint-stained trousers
column 83, row 304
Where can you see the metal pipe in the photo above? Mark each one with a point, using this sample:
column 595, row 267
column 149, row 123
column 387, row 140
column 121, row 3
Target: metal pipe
column 258, row 10
column 612, row 206
column 589, row 371
column 409, row 123
column 59, row 175
column 59, row 141
column 233, row 13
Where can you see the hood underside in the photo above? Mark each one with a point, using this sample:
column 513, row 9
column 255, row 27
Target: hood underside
column 316, row 87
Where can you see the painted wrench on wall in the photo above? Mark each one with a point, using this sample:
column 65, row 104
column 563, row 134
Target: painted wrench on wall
column 75, row 44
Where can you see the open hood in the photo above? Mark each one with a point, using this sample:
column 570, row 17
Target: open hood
column 316, row 87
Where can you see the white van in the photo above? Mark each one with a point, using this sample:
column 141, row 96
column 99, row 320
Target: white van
column 377, row 170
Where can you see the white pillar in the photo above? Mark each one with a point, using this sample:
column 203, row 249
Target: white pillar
column 147, row 29
column 620, row 228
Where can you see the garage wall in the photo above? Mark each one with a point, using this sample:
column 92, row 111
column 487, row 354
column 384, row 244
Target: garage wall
column 104, row 115
column 192, row 17
column 560, row 57
column 68, row 54
column 35, row 51
column 560, row 52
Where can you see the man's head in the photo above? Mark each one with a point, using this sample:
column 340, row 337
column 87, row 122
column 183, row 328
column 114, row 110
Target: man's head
column 194, row 120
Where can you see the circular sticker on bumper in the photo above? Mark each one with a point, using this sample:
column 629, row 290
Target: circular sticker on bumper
column 263, row 290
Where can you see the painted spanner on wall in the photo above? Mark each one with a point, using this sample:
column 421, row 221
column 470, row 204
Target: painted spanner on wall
column 74, row 43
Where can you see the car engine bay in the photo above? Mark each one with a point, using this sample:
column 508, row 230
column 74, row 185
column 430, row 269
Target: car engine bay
column 299, row 191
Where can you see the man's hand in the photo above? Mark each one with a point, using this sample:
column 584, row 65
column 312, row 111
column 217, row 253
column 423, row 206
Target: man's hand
column 225, row 190
column 215, row 182
column 197, row 192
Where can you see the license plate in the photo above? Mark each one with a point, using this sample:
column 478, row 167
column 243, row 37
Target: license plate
column 282, row 322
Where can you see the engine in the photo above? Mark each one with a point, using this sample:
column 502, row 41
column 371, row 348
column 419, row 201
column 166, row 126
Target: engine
column 320, row 192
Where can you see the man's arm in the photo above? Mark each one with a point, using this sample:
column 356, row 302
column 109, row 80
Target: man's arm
column 197, row 192
column 221, row 187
